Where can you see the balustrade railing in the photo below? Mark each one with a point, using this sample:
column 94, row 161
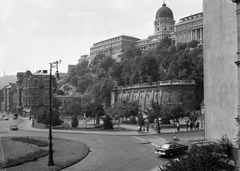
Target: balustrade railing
column 161, row 83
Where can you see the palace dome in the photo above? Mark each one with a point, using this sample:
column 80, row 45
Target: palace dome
column 164, row 12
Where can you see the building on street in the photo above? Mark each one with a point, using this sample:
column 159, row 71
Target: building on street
column 221, row 71
column 35, row 93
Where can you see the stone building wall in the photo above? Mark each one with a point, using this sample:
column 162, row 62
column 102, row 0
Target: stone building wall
column 164, row 92
column 220, row 71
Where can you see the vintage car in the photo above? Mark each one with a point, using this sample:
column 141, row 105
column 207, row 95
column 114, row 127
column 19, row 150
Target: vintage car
column 13, row 127
column 171, row 148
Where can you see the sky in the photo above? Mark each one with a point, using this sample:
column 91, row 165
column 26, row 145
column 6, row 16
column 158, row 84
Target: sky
column 34, row 33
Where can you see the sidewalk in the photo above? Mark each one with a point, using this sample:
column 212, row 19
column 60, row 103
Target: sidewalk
column 27, row 126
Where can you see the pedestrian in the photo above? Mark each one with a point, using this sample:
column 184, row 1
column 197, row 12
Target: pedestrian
column 140, row 129
column 201, row 124
column 197, row 125
column 187, row 125
column 191, row 125
column 147, row 127
column 178, row 128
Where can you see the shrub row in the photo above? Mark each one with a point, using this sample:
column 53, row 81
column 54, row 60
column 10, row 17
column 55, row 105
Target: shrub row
column 39, row 143
column 23, row 159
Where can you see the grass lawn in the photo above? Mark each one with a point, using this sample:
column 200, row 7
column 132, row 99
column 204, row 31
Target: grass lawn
column 66, row 153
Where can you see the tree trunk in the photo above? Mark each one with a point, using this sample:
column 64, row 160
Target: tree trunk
column 97, row 119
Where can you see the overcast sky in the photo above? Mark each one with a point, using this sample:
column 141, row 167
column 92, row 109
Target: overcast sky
column 36, row 32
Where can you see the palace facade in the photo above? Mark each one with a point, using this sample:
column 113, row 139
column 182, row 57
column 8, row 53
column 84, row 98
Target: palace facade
column 113, row 46
column 189, row 28
column 163, row 26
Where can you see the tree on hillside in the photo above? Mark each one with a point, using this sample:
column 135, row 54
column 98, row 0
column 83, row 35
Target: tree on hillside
column 84, row 82
column 116, row 73
column 148, row 69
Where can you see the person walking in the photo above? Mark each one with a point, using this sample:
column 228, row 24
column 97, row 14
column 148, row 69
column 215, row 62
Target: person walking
column 178, row 128
column 191, row 125
column 138, row 129
column 197, row 125
column 187, row 125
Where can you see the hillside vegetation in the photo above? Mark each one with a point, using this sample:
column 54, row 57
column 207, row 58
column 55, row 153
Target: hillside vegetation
column 5, row 80
column 166, row 62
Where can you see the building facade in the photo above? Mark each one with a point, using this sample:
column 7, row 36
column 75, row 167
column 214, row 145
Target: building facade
column 35, row 93
column 20, row 76
column 180, row 92
column 163, row 26
column 189, row 28
column 113, row 47
column 13, row 98
column 221, row 74
column 7, row 98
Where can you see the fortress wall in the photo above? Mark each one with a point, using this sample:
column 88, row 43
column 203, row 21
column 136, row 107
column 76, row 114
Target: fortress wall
column 164, row 94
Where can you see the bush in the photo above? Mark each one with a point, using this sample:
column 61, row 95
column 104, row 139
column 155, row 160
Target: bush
column 74, row 122
column 44, row 118
column 107, row 122
column 200, row 158
column 39, row 143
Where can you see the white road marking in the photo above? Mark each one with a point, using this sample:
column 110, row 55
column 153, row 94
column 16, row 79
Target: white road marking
column 139, row 138
column 21, row 123
column 160, row 138
column 148, row 141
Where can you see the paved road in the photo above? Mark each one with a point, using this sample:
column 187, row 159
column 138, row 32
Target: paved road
column 134, row 152
column 108, row 152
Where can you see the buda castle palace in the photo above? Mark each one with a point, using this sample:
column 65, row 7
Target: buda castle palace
column 187, row 29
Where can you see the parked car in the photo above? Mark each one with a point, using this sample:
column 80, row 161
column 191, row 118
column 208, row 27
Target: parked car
column 6, row 118
column 171, row 148
column 13, row 127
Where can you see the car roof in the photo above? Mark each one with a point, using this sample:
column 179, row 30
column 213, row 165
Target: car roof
column 13, row 124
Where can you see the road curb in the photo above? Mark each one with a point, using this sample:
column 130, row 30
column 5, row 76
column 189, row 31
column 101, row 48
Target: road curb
column 76, row 161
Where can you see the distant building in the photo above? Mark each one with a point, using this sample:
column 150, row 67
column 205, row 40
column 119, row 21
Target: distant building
column 189, row 28
column 163, row 26
column 70, row 68
column 113, row 46
column 84, row 57
column 13, row 100
column 7, row 98
column 20, row 76
column 35, row 93
column 60, row 75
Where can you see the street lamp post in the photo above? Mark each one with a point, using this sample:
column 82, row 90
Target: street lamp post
column 50, row 155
